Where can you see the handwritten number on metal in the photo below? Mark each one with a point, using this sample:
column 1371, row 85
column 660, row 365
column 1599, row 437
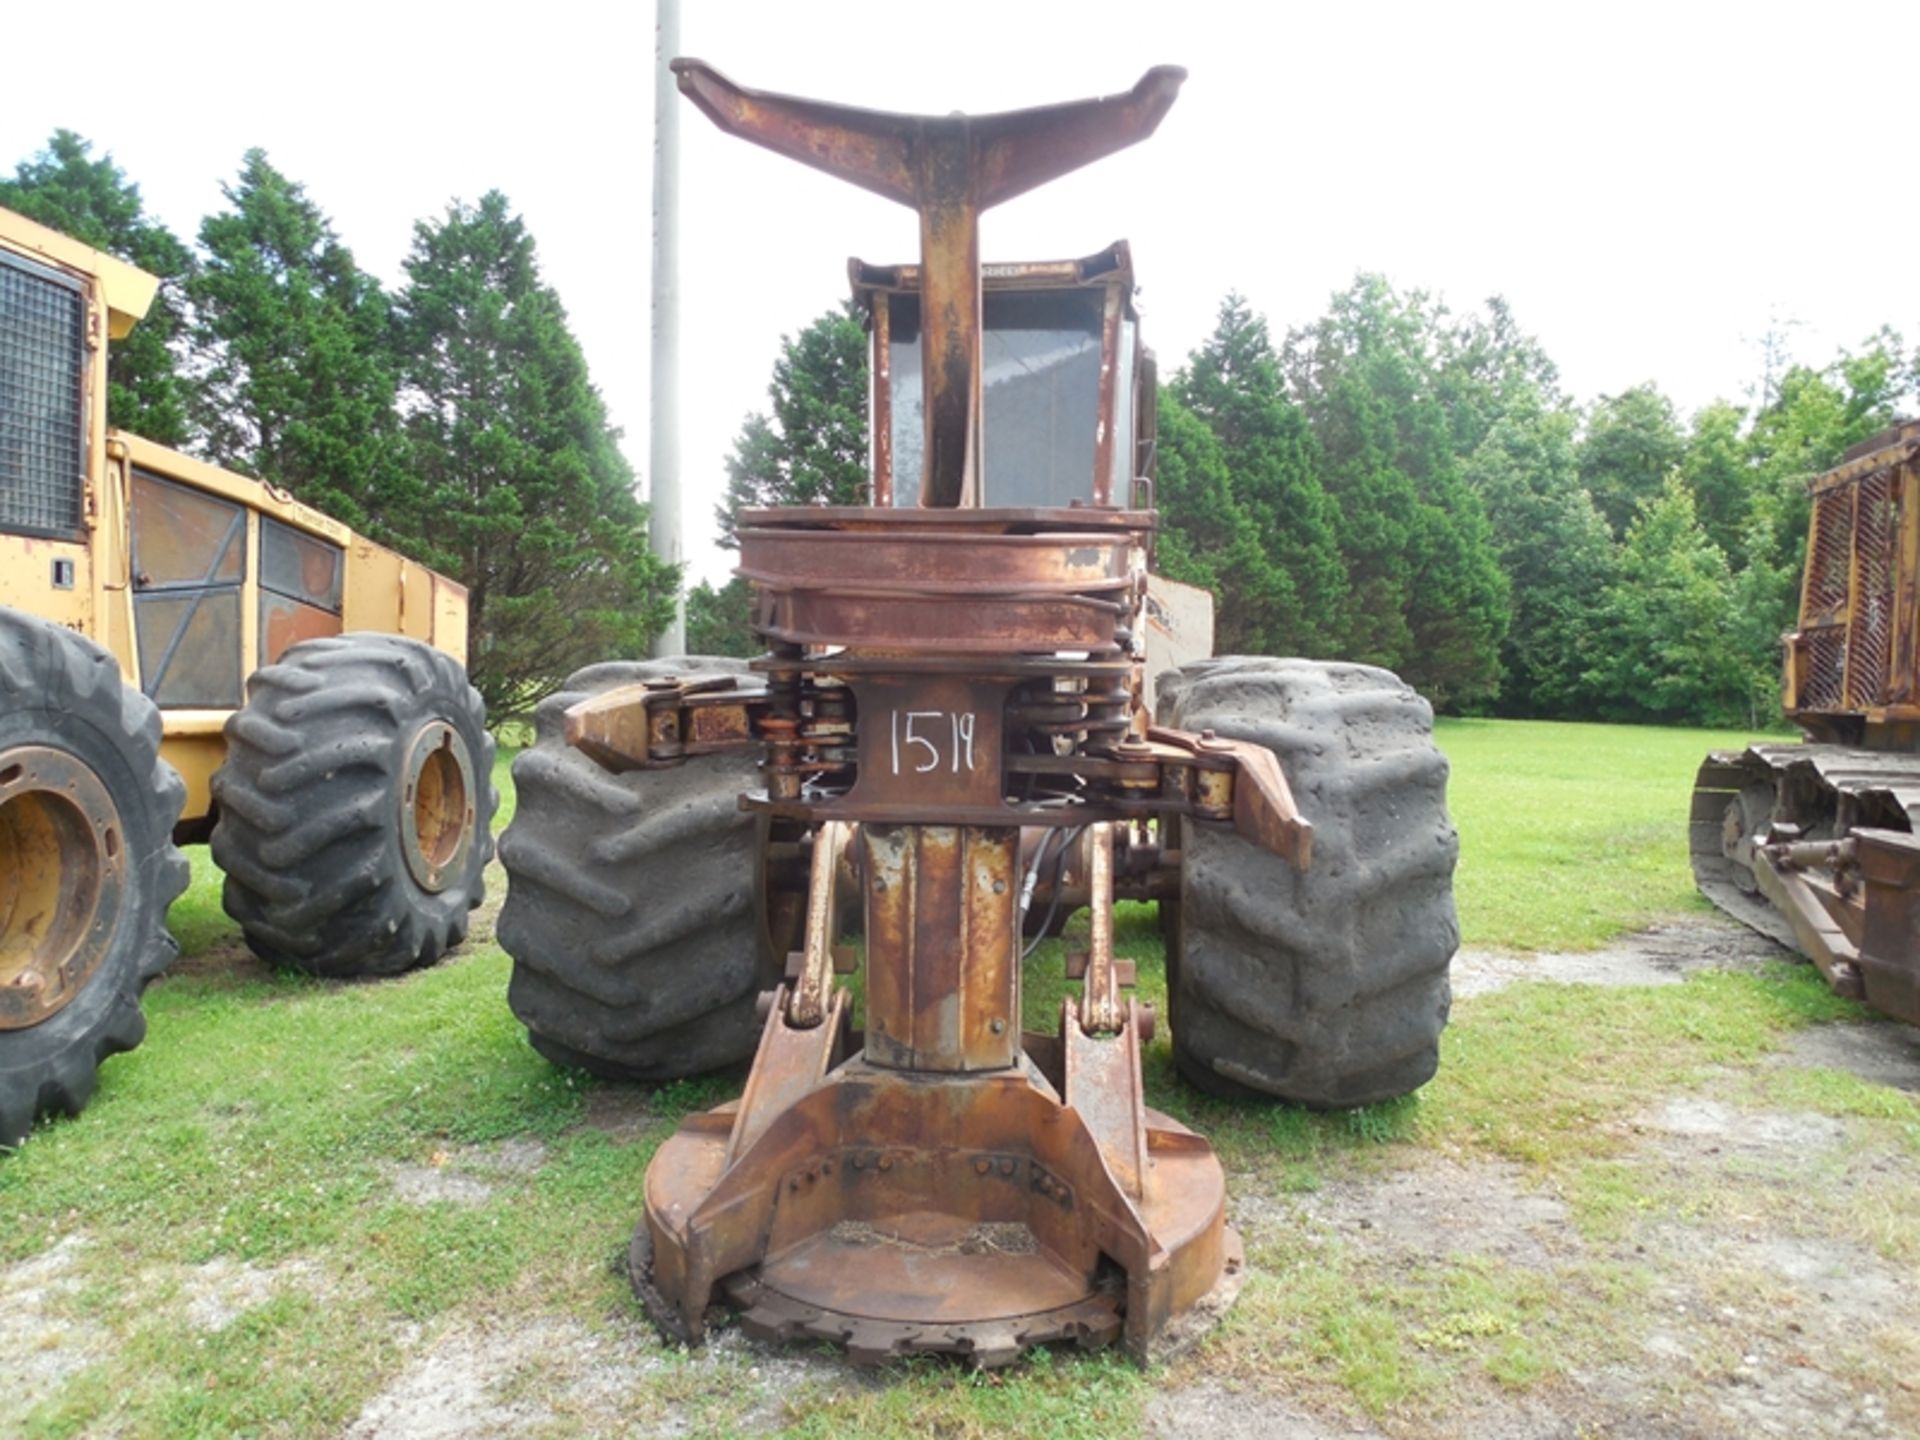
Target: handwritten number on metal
column 920, row 733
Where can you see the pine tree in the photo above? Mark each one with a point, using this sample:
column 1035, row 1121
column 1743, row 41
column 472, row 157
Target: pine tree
column 291, row 336
column 65, row 188
column 1207, row 538
column 1556, row 552
column 812, row 448
column 526, row 496
column 1428, row 598
column 1666, row 651
column 1281, row 586
column 720, row 621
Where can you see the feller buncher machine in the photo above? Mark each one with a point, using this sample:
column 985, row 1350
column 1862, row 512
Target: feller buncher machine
column 947, row 737
column 347, row 793
column 1814, row 844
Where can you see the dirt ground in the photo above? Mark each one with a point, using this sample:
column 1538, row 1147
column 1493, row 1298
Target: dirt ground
column 1759, row 1322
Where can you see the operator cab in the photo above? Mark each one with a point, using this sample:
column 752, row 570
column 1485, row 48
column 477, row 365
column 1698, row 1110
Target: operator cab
column 1063, row 373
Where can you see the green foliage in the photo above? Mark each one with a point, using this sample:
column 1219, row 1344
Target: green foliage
column 1555, row 550
column 1248, row 498
column 1492, row 544
column 1631, row 445
column 719, row 621
column 66, row 189
column 524, row 494
column 1428, row 598
column 290, row 338
column 812, row 450
column 1663, row 654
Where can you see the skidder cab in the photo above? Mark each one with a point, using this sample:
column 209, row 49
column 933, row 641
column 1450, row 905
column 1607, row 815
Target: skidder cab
column 953, row 743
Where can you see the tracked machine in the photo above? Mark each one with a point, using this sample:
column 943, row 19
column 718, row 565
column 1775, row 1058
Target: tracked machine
column 947, row 747
column 1814, row 844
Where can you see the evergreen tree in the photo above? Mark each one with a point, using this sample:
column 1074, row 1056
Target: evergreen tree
column 1428, row 598
column 720, row 622
column 297, row 386
column 1554, row 549
column 1666, row 653
column 1207, row 538
column 65, row 188
column 1486, row 369
column 812, row 448
column 1632, row 443
column 1281, row 587
column 526, row 497
column 1718, row 472
column 809, row 448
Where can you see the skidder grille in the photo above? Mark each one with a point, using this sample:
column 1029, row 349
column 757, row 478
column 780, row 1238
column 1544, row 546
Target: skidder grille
column 41, row 355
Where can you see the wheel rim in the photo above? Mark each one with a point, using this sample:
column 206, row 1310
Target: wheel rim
column 436, row 806
column 62, row 881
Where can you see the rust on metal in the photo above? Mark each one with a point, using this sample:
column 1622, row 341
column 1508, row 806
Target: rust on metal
column 437, row 798
column 63, row 873
column 949, row 169
column 1100, row 1012
column 652, row 724
column 943, row 975
column 808, row 1005
column 944, row 683
column 1809, row 843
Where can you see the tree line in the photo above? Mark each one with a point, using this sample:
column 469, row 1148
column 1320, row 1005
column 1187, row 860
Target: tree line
column 1399, row 484
column 453, row 419
column 1392, row 482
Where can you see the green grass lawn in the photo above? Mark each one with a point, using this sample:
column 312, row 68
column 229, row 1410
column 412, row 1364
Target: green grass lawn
column 268, row 1123
column 1571, row 834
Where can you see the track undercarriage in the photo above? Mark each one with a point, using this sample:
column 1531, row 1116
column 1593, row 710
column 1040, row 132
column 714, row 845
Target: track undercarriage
column 1814, row 846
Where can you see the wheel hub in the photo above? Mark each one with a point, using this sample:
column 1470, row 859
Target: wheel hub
column 62, row 877
column 436, row 806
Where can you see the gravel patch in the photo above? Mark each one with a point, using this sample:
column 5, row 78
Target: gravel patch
column 1663, row 955
column 1442, row 1208
column 1213, row 1411
column 1882, row 1051
column 467, row 1175
column 1795, row 1135
column 219, row 1292
column 43, row 1346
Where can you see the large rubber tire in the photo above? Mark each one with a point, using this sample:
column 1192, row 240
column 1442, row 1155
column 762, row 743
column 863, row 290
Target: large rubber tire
column 634, row 910
column 323, row 788
column 62, row 693
column 1329, row 987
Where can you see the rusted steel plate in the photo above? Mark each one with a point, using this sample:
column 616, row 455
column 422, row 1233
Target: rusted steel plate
column 63, row 875
column 982, row 625
column 984, row 520
column 936, row 745
column 1890, row 942
column 943, row 975
column 943, row 562
column 865, row 1204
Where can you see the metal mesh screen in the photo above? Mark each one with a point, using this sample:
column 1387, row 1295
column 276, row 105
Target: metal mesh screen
column 41, row 360
column 1870, row 637
column 1826, row 668
column 1830, row 557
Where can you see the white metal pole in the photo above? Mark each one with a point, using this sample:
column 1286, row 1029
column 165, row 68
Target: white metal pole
column 663, row 466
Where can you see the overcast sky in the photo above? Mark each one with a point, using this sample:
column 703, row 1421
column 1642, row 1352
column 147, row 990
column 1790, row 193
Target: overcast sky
column 1649, row 186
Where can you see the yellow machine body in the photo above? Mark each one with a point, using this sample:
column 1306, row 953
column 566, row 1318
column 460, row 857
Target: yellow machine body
column 191, row 575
